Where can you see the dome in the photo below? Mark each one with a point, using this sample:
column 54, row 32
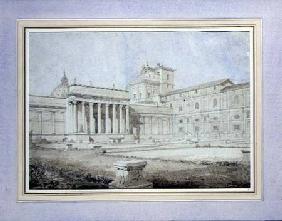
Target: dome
column 62, row 89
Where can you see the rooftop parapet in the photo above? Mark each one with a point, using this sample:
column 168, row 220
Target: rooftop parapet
column 92, row 91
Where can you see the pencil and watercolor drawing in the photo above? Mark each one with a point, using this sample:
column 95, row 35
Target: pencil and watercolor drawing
column 138, row 109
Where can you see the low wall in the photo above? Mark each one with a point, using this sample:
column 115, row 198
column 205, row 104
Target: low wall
column 221, row 142
column 36, row 138
column 99, row 138
column 129, row 138
column 81, row 138
column 156, row 138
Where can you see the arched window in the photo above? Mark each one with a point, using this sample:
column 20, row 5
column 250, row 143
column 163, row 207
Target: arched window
column 197, row 106
column 214, row 102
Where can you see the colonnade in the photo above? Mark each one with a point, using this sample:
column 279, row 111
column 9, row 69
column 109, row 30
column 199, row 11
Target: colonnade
column 156, row 125
column 92, row 117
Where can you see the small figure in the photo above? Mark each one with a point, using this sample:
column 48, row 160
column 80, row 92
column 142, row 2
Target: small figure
column 91, row 140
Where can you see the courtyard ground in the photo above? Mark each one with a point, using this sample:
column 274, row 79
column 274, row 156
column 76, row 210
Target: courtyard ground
column 178, row 167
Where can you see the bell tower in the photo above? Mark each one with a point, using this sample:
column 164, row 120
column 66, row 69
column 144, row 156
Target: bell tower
column 166, row 75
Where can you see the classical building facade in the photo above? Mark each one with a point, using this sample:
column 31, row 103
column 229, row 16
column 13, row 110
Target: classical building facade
column 213, row 113
column 216, row 112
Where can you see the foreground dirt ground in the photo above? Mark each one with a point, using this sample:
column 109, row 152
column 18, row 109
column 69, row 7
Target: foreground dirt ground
column 96, row 166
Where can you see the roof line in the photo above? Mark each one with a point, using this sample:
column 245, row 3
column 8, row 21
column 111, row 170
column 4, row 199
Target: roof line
column 236, row 86
column 105, row 88
column 46, row 96
column 203, row 85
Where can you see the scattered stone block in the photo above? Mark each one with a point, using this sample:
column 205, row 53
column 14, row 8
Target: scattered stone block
column 68, row 146
column 129, row 174
column 246, row 156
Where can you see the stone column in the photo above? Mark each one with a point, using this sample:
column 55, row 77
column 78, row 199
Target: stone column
column 159, row 126
column 171, row 125
column 144, row 125
column 91, row 119
column 40, row 122
column 243, row 116
column 53, row 113
column 75, row 126
column 70, row 119
column 114, row 119
column 107, row 119
column 120, row 119
column 151, row 124
column 99, row 118
column 83, row 116
column 127, row 119
column 66, row 118
column 162, row 126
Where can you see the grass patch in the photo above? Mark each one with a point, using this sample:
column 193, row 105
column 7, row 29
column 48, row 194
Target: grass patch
column 91, row 169
column 46, row 174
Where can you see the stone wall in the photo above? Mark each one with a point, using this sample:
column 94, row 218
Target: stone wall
column 46, row 115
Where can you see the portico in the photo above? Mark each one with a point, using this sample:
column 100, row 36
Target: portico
column 96, row 117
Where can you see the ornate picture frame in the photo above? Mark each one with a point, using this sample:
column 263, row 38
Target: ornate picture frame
column 254, row 192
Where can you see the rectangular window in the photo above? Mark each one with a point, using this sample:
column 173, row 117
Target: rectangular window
column 236, row 127
column 215, row 128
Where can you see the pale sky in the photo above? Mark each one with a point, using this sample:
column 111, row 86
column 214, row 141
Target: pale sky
column 105, row 58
